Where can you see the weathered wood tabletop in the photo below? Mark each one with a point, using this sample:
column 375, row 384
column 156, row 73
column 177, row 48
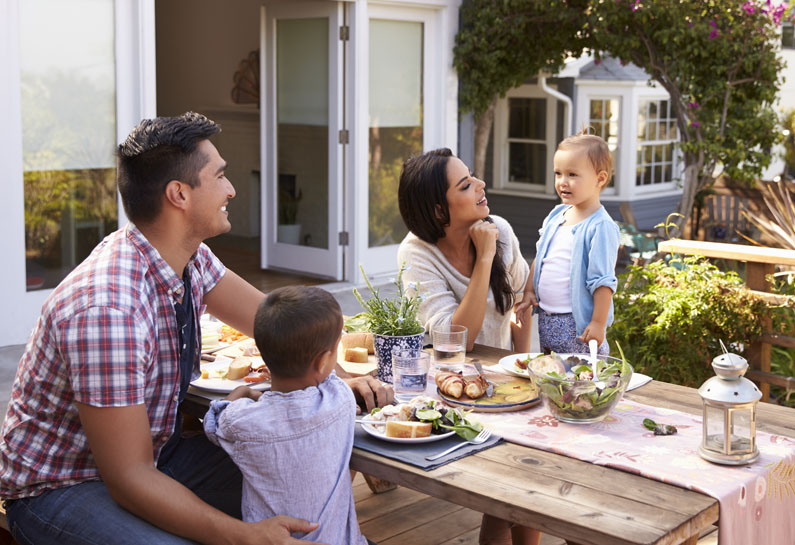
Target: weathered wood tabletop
column 578, row 501
column 575, row 500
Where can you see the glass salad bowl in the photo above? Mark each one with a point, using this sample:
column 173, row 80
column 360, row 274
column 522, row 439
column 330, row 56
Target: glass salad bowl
column 566, row 385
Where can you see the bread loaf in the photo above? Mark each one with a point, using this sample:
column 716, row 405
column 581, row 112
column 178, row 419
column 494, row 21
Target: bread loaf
column 407, row 430
column 356, row 355
column 361, row 339
column 239, row 368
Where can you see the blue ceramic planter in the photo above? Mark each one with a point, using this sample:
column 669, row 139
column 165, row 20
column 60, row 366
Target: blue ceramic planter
column 383, row 350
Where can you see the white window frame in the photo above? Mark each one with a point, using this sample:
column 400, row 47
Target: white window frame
column 501, row 141
column 676, row 166
column 631, row 93
column 617, row 174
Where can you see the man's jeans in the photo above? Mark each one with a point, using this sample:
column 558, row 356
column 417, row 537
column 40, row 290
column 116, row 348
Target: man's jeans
column 86, row 513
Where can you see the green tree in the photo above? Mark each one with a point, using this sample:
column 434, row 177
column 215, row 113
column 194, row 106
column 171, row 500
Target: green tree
column 718, row 60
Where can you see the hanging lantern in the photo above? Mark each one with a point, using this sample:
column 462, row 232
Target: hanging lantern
column 729, row 435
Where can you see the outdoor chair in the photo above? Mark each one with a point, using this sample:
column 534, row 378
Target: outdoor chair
column 637, row 247
column 724, row 219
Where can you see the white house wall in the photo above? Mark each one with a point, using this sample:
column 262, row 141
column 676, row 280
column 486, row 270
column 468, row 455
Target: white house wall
column 135, row 99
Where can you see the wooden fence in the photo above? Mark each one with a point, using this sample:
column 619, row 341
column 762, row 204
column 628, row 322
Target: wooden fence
column 759, row 263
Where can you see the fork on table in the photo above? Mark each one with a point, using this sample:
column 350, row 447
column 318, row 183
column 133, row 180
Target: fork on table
column 482, row 437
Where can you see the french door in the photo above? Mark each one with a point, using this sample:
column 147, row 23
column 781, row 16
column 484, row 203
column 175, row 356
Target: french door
column 302, row 140
column 406, row 64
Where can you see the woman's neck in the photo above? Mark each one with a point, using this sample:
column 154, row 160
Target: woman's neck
column 457, row 247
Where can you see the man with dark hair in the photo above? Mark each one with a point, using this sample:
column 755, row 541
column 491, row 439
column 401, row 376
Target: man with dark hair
column 92, row 449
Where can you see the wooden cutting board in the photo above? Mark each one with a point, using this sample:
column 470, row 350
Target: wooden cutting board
column 357, row 369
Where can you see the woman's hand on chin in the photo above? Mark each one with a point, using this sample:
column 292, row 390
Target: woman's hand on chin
column 484, row 236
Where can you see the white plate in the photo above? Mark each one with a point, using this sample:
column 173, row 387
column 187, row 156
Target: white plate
column 224, row 385
column 508, row 363
column 378, row 431
column 215, row 348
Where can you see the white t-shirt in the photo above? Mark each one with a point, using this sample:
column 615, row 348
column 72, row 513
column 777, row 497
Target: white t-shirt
column 554, row 284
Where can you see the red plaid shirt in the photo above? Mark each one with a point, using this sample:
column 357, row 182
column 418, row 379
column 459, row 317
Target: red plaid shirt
column 107, row 337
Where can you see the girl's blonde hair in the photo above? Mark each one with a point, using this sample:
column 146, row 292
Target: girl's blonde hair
column 598, row 153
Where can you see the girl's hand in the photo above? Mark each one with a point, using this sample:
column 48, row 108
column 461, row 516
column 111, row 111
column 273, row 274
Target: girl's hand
column 484, row 236
column 593, row 330
column 529, row 299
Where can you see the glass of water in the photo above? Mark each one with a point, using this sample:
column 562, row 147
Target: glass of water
column 449, row 346
column 409, row 373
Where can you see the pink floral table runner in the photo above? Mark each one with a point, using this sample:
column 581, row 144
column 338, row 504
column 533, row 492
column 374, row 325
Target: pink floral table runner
column 757, row 501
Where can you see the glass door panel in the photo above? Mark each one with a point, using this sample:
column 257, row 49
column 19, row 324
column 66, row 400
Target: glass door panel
column 302, row 116
column 68, row 133
column 395, row 120
column 302, row 131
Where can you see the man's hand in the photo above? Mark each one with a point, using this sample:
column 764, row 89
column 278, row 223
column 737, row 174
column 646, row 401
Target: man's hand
column 370, row 393
column 243, row 391
column 276, row 531
column 594, row 330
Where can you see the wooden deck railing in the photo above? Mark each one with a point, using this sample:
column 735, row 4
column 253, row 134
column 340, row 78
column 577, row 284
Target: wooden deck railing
column 759, row 263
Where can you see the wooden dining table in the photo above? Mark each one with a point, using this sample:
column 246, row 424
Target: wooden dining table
column 578, row 501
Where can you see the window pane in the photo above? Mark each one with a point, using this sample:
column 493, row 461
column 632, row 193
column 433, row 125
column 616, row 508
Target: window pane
column 598, row 128
column 527, row 163
column 596, row 109
column 788, row 36
column 612, row 109
column 395, row 120
column 653, row 130
column 527, row 118
column 68, row 133
column 658, row 174
column 302, row 131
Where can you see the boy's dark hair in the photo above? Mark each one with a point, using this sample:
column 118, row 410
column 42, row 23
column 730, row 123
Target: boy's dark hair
column 293, row 325
column 155, row 152
column 422, row 200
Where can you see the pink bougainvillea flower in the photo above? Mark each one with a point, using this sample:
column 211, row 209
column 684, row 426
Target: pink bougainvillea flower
column 695, row 105
column 696, row 123
column 749, row 7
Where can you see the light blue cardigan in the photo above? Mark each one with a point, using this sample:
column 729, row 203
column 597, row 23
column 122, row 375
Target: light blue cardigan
column 593, row 259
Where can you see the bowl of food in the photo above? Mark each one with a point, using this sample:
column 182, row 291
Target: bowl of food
column 569, row 390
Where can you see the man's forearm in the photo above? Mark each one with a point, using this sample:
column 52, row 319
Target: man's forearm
column 167, row 504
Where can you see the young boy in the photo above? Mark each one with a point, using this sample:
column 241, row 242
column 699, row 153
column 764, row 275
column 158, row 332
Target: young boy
column 293, row 444
column 572, row 279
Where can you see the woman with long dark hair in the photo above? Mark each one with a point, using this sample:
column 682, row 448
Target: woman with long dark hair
column 468, row 263
column 469, row 267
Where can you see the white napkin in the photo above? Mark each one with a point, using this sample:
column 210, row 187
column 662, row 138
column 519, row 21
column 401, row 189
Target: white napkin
column 637, row 380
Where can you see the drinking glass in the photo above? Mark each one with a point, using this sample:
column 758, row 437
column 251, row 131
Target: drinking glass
column 409, row 372
column 449, row 346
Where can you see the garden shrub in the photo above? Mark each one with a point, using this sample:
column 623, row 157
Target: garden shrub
column 670, row 318
column 782, row 360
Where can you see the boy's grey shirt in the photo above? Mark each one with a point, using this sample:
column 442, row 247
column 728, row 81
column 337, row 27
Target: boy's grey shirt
column 593, row 259
column 294, row 452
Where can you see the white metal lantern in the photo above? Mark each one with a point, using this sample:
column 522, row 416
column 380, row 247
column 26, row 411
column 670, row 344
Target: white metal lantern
column 729, row 435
